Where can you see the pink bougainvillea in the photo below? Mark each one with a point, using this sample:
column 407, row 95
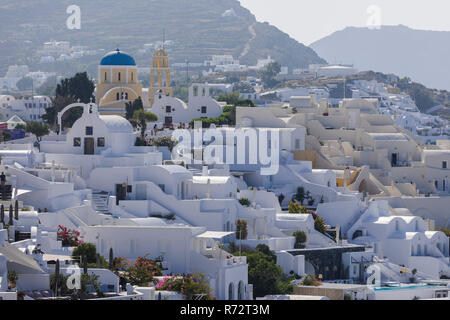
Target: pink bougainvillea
column 69, row 237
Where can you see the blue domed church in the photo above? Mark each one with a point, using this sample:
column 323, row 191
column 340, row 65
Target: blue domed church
column 117, row 83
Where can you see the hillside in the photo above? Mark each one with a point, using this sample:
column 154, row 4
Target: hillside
column 417, row 54
column 197, row 27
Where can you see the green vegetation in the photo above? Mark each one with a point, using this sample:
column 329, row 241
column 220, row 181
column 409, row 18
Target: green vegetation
column 245, row 202
column 310, row 280
column 89, row 250
column 228, row 117
column 269, row 74
column 241, row 229
column 70, row 90
column 165, row 141
column 193, row 286
column 263, row 272
column 12, row 276
column 142, row 272
column 233, row 99
column 142, row 117
column 300, row 239
column 132, row 106
column 319, row 225
column 39, row 129
column 294, row 207
column 444, row 230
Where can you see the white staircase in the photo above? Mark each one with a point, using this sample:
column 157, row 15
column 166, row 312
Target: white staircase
column 100, row 201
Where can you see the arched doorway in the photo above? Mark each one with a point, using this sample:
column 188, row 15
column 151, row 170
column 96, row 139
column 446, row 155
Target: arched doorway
column 231, row 291
column 357, row 234
column 241, row 290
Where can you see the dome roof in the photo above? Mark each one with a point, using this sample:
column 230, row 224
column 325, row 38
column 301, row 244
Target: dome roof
column 117, row 124
column 117, row 58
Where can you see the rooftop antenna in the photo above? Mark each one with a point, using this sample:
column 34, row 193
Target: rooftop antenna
column 164, row 38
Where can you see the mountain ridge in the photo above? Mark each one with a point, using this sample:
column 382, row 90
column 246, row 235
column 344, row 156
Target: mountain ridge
column 197, row 28
column 421, row 55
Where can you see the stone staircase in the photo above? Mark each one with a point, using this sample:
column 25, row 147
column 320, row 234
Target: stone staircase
column 100, row 200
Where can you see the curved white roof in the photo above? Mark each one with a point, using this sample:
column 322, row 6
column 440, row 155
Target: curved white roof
column 149, row 222
column 388, row 136
column 117, row 124
column 212, row 179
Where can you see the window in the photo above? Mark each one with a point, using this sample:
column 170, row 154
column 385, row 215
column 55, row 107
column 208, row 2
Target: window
column 77, row 142
column 132, row 76
column 105, row 76
column 203, row 109
column 444, row 164
column 297, row 144
column 168, row 109
column 89, row 131
column 117, row 96
column 129, row 189
column 100, row 142
column 126, row 95
column 118, row 76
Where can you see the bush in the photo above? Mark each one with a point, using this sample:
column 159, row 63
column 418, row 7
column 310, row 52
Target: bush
column 142, row 272
column 191, row 286
column 241, row 229
column 245, row 202
column 319, row 225
column 69, row 237
column 165, row 141
column 85, row 249
column 300, row 239
column 310, row 280
column 294, row 207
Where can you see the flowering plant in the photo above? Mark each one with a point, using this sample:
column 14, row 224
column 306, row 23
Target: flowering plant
column 142, row 271
column 69, row 237
column 191, row 285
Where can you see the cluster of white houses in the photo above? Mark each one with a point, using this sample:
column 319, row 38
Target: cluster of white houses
column 381, row 193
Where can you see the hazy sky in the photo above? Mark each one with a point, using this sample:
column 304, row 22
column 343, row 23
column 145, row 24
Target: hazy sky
column 310, row 20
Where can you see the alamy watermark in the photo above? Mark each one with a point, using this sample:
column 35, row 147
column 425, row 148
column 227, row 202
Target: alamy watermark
column 374, row 280
column 231, row 146
column 73, row 22
column 374, row 17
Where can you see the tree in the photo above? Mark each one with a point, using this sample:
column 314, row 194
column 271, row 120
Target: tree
column 85, row 249
column 244, row 202
column 300, row 196
column 165, row 141
column 132, row 106
column 68, row 91
column 269, row 74
column 319, row 225
column 6, row 136
column 142, row 117
column 300, row 239
column 143, row 271
column 39, row 129
column 241, row 229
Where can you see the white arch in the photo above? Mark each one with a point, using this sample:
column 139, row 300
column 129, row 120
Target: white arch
column 115, row 88
column 71, row 106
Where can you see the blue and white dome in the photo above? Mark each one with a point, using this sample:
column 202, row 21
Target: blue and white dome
column 117, row 58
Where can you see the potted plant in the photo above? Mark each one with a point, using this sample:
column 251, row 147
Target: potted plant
column 12, row 278
column 413, row 278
